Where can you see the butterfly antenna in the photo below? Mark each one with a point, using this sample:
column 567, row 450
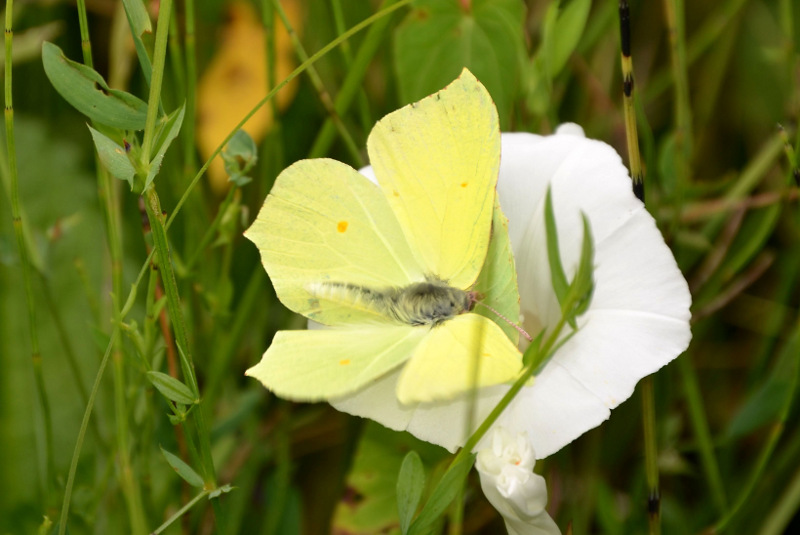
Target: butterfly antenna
column 522, row 331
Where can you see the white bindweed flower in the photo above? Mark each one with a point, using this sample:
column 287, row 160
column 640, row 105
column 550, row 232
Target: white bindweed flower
column 637, row 322
column 508, row 481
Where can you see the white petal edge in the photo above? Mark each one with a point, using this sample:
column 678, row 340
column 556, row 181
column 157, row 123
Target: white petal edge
column 638, row 320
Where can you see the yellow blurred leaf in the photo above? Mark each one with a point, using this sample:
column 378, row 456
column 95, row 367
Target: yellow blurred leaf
column 236, row 80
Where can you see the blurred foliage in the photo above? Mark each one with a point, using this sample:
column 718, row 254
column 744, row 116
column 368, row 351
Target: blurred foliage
column 721, row 188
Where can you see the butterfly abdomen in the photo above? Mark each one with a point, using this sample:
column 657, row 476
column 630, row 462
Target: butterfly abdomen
column 421, row 303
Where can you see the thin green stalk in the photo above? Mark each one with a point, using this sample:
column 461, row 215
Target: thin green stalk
column 674, row 12
column 87, row 413
column 775, row 433
column 107, row 194
column 779, row 517
column 637, row 175
column 323, row 94
column 302, row 67
column 651, row 455
column 24, row 255
column 699, row 420
column 154, row 98
column 156, row 217
column 347, row 54
column 632, row 137
column 180, row 512
column 190, row 117
column 701, row 40
column 211, row 230
column 355, row 75
column 86, row 42
column 226, row 349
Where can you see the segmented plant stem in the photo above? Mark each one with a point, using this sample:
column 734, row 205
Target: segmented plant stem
column 25, row 254
column 634, row 158
column 637, row 174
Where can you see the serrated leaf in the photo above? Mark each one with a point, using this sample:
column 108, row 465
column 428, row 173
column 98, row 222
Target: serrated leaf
column 410, row 484
column 171, row 388
column 184, row 470
column 169, row 131
column 86, row 90
column 440, row 37
column 443, row 495
column 114, row 157
column 557, row 275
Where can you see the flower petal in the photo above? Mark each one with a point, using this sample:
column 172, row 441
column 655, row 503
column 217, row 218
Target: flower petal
column 637, row 322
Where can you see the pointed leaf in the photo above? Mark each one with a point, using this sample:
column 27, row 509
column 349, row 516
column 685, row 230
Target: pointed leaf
column 114, row 157
column 410, row 484
column 184, row 470
column 557, row 275
column 171, row 388
column 169, row 131
column 565, row 33
column 86, row 90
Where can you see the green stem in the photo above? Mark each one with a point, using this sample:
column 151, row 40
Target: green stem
column 697, row 416
column 180, row 512
column 107, row 194
column 674, row 11
column 156, row 217
column 347, row 54
column 651, row 455
column 316, row 81
column 355, row 76
column 24, row 254
column 779, row 517
column 87, row 413
column 159, row 60
column 86, row 42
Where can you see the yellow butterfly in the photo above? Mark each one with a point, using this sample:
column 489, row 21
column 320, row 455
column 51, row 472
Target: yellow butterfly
column 394, row 269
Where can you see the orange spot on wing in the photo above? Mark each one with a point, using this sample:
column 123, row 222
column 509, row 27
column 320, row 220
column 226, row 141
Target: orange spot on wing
column 341, row 226
column 344, row 362
column 463, row 184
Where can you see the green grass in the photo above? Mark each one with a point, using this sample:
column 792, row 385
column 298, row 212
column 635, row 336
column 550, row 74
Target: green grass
column 719, row 181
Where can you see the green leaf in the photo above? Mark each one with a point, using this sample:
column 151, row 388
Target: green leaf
column 169, row 131
column 171, row 388
column 86, row 90
column 114, row 157
column 137, row 16
column 440, row 37
column 557, row 275
column 582, row 286
column 764, row 406
column 410, row 484
column 139, row 22
column 184, row 470
column 563, row 32
column 369, row 504
column 443, row 494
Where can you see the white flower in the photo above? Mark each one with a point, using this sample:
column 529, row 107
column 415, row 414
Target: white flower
column 637, row 322
column 508, row 481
